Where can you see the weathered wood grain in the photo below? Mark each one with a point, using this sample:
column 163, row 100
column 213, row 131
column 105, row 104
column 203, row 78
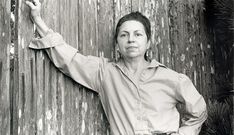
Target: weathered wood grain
column 5, row 43
column 162, row 33
column 206, row 39
column 26, row 101
column 191, row 49
column 47, row 102
column 121, row 8
column 105, row 31
column 87, row 27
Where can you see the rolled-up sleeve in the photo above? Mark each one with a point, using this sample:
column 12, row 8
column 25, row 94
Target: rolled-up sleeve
column 82, row 69
column 195, row 106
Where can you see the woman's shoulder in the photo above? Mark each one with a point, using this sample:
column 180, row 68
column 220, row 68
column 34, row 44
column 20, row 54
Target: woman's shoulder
column 106, row 63
column 170, row 74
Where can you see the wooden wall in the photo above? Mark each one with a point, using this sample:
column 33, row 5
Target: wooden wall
column 5, row 42
column 45, row 102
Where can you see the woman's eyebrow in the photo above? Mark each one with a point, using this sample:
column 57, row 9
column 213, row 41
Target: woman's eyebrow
column 124, row 31
column 134, row 31
column 138, row 31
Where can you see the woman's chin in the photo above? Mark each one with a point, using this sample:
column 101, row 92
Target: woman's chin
column 133, row 55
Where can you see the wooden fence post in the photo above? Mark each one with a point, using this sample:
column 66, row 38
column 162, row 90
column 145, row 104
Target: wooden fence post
column 5, row 43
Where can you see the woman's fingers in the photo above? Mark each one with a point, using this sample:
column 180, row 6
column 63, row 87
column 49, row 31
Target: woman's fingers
column 36, row 2
column 35, row 7
column 30, row 4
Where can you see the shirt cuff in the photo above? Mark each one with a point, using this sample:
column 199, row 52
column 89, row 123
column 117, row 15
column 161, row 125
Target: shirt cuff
column 51, row 39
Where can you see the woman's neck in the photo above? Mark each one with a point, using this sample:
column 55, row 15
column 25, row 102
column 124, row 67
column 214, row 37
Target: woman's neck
column 135, row 65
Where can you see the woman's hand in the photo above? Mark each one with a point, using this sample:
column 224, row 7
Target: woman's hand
column 35, row 7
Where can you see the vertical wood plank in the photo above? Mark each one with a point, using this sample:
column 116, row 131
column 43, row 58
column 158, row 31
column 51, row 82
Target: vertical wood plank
column 26, row 102
column 5, row 41
column 47, row 97
column 52, row 13
column 121, row 8
column 205, row 37
column 177, row 37
column 62, row 120
column 105, row 23
column 69, row 107
column 88, row 27
column 53, row 101
column 162, row 33
column 39, row 92
column 76, row 99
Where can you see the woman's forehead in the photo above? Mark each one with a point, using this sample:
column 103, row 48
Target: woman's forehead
column 132, row 25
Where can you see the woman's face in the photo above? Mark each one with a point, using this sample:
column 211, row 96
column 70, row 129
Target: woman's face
column 132, row 39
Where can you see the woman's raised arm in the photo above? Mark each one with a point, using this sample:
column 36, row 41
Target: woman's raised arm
column 35, row 7
column 82, row 69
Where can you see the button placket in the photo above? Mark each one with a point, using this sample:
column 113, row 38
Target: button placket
column 142, row 123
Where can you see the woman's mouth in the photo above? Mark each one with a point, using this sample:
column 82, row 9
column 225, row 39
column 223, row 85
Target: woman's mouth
column 131, row 48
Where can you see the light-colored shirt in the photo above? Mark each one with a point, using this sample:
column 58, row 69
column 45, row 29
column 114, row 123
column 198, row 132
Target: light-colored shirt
column 132, row 107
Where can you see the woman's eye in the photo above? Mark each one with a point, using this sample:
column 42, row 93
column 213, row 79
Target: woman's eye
column 138, row 34
column 122, row 35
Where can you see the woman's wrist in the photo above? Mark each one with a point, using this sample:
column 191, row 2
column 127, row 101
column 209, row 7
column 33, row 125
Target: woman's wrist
column 42, row 28
column 37, row 20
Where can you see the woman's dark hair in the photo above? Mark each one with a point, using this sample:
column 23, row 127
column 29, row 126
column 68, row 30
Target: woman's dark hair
column 136, row 16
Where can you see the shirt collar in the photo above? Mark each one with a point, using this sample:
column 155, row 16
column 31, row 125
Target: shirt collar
column 153, row 64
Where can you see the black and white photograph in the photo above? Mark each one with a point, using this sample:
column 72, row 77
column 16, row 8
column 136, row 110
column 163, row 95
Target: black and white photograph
column 116, row 67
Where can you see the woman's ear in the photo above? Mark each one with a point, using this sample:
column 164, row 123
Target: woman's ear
column 117, row 52
column 116, row 46
column 148, row 44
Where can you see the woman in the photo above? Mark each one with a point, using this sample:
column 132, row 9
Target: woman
column 139, row 97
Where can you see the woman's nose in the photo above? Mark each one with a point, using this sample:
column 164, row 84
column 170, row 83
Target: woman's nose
column 131, row 38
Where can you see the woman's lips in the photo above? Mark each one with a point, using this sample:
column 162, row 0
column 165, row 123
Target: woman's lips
column 131, row 47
